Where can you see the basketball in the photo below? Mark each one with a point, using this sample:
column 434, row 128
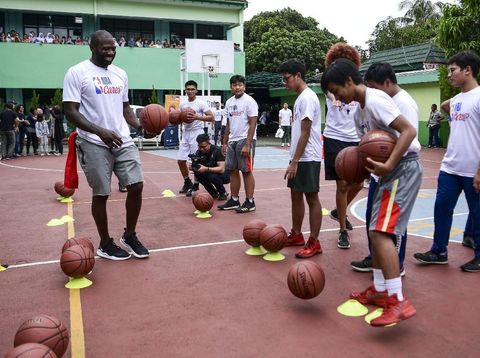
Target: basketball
column 203, row 201
column 306, row 279
column 196, row 192
column 84, row 241
column 377, row 145
column 251, row 232
column 44, row 329
column 184, row 115
column 154, row 118
column 31, row 350
column 349, row 167
column 63, row 191
column 273, row 237
column 77, row 261
column 174, row 117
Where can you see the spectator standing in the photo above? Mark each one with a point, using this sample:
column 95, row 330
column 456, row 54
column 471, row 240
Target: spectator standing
column 434, row 122
column 22, row 130
column 218, row 115
column 42, row 131
column 285, row 122
column 30, row 131
column 8, row 122
column 58, row 130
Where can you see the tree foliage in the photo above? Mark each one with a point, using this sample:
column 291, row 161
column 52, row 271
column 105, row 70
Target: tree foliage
column 420, row 11
column 275, row 36
column 57, row 98
column 153, row 97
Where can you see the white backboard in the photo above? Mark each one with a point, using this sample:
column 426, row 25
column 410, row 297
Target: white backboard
column 203, row 53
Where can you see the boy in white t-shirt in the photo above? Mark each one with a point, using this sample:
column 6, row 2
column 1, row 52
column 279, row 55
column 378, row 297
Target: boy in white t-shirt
column 217, row 114
column 303, row 172
column 285, row 122
column 460, row 169
column 399, row 181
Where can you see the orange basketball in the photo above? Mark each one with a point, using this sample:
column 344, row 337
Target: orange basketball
column 306, row 279
column 377, row 145
column 154, row 118
column 31, row 350
column 273, row 237
column 251, row 232
column 43, row 329
column 62, row 190
column 196, row 192
column 203, row 201
column 84, row 241
column 184, row 115
column 174, row 117
column 77, row 261
column 349, row 167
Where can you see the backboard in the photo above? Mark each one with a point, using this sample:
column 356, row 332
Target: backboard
column 204, row 55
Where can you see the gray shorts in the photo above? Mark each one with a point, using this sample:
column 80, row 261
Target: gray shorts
column 234, row 159
column 395, row 196
column 307, row 178
column 99, row 162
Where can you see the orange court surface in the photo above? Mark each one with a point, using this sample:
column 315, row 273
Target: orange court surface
column 199, row 294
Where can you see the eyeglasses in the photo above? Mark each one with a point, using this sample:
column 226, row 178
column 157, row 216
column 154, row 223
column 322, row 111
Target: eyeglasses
column 286, row 78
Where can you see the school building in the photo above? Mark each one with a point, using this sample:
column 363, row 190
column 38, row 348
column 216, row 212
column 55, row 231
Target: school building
column 27, row 66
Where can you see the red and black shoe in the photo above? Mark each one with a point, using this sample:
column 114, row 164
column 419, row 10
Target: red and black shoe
column 294, row 239
column 311, row 248
column 395, row 312
column 371, row 297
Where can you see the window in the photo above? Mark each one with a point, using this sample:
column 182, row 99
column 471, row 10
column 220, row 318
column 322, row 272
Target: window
column 61, row 25
column 2, row 22
column 120, row 27
column 211, row 32
column 179, row 31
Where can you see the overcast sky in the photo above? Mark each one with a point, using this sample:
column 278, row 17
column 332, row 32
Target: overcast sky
column 355, row 20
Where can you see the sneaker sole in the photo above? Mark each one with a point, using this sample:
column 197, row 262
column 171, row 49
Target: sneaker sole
column 131, row 251
column 466, row 244
column 362, row 269
column 113, row 258
column 229, row 208
column 307, row 257
column 343, row 247
column 245, row 211
column 295, row 244
column 431, row 262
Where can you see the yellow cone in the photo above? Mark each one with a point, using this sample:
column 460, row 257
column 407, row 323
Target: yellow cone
column 325, row 212
column 67, row 200
column 352, row 308
column 55, row 222
column 168, row 194
column 67, row 219
column 2, row 268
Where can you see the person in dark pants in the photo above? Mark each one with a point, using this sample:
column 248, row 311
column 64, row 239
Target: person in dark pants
column 8, row 122
column 22, row 130
column 31, row 134
column 58, row 130
column 433, row 125
column 208, row 166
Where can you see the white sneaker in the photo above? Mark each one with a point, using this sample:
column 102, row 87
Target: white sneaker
column 288, row 144
column 283, row 144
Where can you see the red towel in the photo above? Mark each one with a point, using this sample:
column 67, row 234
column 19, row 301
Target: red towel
column 71, row 174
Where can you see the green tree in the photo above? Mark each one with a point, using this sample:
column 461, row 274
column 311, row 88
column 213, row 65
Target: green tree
column 154, row 97
column 275, row 36
column 57, row 98
column 420, row 11
column 34, row 101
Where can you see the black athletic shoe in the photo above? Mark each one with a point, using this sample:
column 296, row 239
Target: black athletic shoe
column 431, row 258
column 472, row 266
column 113, row 252
column 223, row 196
column 343, row 242
column 192, row 190
column 468, row 241
column 364, row 265
column 246, row 207
column 186, row 186
column 134, row 246
column 334, row 215
column 122, row 189
column 229, row 205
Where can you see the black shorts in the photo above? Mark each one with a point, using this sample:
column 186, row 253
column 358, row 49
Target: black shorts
column 307, row 178
column 331, row 148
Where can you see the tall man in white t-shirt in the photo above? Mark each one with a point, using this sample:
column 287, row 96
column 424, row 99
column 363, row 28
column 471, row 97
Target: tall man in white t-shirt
column 460, row 169
column 285, row 119
column 303, row 172
column 188, row 145
column 95, row 98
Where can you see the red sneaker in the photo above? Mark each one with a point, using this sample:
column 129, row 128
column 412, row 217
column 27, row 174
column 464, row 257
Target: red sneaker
column 371, row 297
column 396, row 311
column 311, row 248
column 295, row 239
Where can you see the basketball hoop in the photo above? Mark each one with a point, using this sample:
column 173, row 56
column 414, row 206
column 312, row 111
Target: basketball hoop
column 212, row 72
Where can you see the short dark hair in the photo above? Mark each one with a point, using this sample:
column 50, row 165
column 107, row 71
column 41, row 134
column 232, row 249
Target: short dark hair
column 339, row 72
column 292, row 66
column 97, row 35
column 434, row 105
column 464, row 59
column 204, row 137
column 237, row 78
column 191, row 83
column 18, row 106
column 379, row 72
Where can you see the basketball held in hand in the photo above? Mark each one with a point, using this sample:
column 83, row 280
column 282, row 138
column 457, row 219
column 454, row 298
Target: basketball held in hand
column 61, row 190
column 348, row 166
column 186, row 118
column 273, row 237
column 306, row 280
column 154, row 118
column 377, row 145
column 77, row 261
column 251, row 232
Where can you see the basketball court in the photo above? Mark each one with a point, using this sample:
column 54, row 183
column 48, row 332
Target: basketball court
column 199, row 294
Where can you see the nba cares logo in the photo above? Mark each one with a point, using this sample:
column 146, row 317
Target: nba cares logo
column 97, row 82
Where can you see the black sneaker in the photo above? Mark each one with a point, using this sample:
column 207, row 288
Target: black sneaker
column 472, row 266
column 343, row 242
column 121, row 188
column 334, row 215
column 246, row 207
column 134, row 246
column 191, row 190
column 229, row 205
column 113, row 252
column 186, row 186
column 364, row 265
column 223, row 196
column 430, row 257
column 468, row 241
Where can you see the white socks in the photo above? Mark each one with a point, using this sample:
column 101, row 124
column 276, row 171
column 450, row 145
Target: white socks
column 394, row 285
column 379, row 280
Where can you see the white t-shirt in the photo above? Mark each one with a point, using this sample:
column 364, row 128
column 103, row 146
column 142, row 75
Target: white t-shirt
column 339, row 121
column 200, row 107
column 285, row 116
column 238, row 111
column 217, row 114
column 101, row 93
column 463, row 151
column 307, row 105
column 408, row 107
